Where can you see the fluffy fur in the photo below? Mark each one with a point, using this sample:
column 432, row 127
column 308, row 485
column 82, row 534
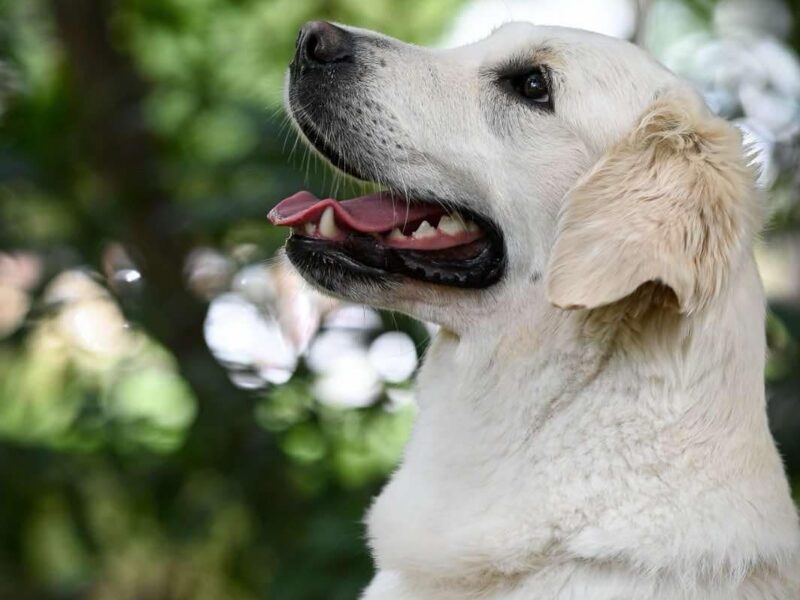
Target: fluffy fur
column 673, row 202
column 593, row 427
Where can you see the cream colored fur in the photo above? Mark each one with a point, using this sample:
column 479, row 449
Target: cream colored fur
column 673, row 202
column 593, row 427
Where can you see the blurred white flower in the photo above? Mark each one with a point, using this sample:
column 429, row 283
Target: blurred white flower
column 96, row 326
column 722, row 101
column 394, row 356
column 723, row 64
column 256, row 284
column 331, row 344
column 238, row 333
column 744, row 70
column 208, row 272
column 72, row 286
column 353, row 316
column 298, row 307
column 350, row 382
column 770, row 110
column 781, row 64
column 88, row 323
column 263, row 324
column 753, row 17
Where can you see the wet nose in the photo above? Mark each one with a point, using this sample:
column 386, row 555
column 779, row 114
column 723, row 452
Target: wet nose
column 321, row 44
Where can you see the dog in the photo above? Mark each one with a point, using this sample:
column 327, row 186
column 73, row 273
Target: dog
column 592, row 416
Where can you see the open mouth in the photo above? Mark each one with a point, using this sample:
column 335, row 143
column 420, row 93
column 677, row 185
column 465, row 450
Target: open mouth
column 383, row 236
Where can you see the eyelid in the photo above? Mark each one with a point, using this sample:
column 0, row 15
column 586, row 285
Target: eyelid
column 506, row 79
column 505, row 76
column 517, row 67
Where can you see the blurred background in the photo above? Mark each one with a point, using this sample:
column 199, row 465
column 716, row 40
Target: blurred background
column 180, row 417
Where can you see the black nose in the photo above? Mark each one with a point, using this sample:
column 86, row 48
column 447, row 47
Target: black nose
column 320, row 43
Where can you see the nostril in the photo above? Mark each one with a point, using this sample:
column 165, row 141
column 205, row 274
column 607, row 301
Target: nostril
column 322, row 43
column 312, row 46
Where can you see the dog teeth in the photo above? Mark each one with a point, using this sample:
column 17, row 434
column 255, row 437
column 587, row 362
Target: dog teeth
column 396, row 235
column 472, row 227
column 424, row 231
column 310, row 228
column 451, row 226
column 327, row 224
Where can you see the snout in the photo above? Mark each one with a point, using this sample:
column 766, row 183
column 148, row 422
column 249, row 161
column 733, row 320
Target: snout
column 326, row 74
column 342, row 96
column 322, row 45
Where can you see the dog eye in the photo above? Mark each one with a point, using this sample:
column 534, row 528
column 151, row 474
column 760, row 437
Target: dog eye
column 532, row 86
column 535, row 88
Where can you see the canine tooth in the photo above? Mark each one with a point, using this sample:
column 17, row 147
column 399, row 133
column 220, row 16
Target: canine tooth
column 310, row 228
column 396, row 234
column 424, row 231
column 451, row 226
column 327, row 224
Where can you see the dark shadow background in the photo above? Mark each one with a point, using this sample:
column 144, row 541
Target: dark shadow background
column 180, row 418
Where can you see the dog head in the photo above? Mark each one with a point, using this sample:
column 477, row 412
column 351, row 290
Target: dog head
column 539, row 160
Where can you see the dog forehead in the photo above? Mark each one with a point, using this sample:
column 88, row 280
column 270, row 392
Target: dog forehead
column 568, row 47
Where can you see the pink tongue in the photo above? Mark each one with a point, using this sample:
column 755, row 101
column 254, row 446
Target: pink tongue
column 375, row 213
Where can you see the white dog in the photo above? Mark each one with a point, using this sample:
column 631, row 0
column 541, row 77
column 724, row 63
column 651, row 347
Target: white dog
column 591, row 416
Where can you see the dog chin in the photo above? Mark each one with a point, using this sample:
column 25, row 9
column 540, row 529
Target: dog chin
column 338, row 275
column 350, row 282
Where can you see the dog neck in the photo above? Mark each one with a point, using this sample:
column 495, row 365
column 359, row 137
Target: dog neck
column 555, row 435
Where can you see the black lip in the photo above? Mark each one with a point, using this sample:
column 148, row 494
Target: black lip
column 477, row 265
column 332, row 267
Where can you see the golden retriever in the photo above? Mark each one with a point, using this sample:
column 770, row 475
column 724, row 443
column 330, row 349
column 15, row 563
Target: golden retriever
column 591, row 414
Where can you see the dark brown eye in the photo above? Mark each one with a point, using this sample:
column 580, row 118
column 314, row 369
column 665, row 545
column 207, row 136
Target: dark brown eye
column 532, row 86
column 535, row 87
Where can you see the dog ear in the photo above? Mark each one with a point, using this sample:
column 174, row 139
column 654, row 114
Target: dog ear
column 669, row 204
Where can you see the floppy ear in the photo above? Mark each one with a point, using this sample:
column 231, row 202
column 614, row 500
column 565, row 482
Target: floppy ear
column 670, row 204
